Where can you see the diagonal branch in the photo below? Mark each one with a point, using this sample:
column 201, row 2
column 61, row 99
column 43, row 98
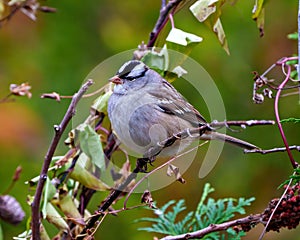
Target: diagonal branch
column 252, row 219
column 59, row 129
column 162, row 19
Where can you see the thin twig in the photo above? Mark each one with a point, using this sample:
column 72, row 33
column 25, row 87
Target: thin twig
column 140, row 165
column 155, row 170
column 58, row 97
column 247, row 123
column 272, row 150
column 216, row 228
column 59, row 129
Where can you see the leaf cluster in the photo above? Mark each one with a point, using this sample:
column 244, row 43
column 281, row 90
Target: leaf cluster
column 209, row 211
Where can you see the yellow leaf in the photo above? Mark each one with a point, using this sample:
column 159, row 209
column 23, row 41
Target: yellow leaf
column 258, row 15
column 2, row 8
column 258, row 7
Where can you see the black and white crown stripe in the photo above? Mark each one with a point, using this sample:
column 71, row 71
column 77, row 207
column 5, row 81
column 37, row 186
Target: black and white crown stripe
column 132, row 69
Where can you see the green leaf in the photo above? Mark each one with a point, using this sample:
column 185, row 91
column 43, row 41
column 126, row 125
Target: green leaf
column 203, row 9
column 293, row 36
column 1, row 233
column 211, row 212
column 49, row 192
column 100, row 104
column 290, row 120
column 157, row 60
column 206, row 191
column 68, row 207
column 182, row 42
column 55, row 218
column 43, row 233
column 91, row 145
column 87, row 179
column 180, row 37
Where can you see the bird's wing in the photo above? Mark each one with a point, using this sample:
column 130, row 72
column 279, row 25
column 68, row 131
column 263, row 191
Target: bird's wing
column 172, row 102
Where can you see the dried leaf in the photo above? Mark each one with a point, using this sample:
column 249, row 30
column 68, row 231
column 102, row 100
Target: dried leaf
column 218, row 29
column 30, row 9
column 203, row 9
column 53, row 95
column 2, row 10
column 20, row 90
column 209, row 12
column 172, row 169
column 147, row 198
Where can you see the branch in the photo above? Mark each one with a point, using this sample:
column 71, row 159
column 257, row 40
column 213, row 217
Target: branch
column 242, row 124
column 155, row 170
column 162, row 19
column 272, row 150
column 250, row 220
column 114, row 194
column 59, row 129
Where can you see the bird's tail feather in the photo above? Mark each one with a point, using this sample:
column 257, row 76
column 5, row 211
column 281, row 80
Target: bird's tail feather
column 228, row 139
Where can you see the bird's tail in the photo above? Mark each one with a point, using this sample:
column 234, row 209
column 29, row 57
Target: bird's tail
column 228, row 139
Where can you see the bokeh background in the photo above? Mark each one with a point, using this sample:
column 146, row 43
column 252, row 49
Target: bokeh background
column 56, row 53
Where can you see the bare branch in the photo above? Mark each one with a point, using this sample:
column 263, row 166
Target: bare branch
column 252, row 219
column 114, row 194
column 59, row 129
column 272, row 150
column 247, row 123
column 162, row 19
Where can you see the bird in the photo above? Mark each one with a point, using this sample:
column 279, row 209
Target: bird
column 145, row 110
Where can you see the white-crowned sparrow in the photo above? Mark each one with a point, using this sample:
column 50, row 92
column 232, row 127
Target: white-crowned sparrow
column 145, row 110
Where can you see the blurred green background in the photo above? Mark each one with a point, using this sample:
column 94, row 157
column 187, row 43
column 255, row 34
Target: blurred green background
column 58, row 51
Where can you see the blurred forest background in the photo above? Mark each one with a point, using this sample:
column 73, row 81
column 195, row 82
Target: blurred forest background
column 56, row 53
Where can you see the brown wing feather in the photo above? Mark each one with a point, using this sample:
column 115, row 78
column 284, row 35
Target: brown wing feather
column 175, row 104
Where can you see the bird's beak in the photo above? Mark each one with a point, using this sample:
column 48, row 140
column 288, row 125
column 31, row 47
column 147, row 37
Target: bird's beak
column 116, row 80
